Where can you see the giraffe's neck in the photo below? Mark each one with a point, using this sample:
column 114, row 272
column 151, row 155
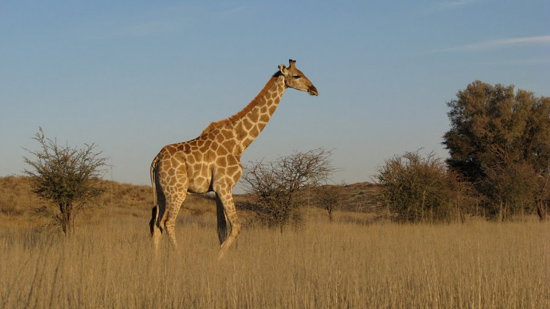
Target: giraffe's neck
column 249, row 122
column 252, row 122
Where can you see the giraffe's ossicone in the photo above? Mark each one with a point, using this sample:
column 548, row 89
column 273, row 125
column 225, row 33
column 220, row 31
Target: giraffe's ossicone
column 211, row 162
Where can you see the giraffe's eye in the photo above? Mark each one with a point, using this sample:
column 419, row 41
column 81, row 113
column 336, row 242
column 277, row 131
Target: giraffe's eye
column 296, row 76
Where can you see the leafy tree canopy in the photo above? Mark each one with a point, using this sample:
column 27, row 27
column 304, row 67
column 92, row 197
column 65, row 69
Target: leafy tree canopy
column 500, row 140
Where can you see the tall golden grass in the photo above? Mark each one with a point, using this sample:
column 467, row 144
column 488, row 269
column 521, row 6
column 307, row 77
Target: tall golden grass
column 341, row 265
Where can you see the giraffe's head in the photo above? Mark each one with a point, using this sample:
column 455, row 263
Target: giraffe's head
column 294, row 78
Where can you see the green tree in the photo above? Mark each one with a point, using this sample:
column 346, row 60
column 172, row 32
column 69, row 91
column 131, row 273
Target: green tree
column 497, row 132
column 279, row 184
column 64, row 176
column 511, row 189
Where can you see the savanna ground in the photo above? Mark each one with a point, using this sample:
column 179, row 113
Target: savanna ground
column 108, row 263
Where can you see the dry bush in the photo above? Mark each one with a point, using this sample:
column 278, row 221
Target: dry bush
column 330, row 198
column 111, row 265
column 420, row 189
column 280, row 185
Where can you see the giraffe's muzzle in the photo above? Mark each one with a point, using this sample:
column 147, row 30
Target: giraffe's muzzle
column 312, row 91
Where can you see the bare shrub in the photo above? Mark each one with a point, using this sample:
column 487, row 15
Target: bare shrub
column 330, row 198
column 278, row 184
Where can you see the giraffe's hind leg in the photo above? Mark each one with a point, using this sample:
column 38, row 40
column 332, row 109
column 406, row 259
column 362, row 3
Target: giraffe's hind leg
column 155, row 230
column 173, row 182
column 173, row 205
column 157, row 215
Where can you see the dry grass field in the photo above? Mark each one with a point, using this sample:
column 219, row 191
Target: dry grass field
column 341, row 265
column 108, row 263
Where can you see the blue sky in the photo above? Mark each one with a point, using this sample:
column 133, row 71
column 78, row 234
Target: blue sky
column 133, row 76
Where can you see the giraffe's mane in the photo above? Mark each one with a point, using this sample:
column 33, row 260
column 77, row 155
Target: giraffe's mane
column 219, row 123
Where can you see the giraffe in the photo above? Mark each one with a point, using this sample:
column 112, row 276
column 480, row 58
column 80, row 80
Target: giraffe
column 211, row 162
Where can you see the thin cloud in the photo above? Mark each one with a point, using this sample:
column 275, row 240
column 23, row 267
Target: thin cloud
column 172, row 24
column 529, row 61
column 148, row 22
column 231, row 11
column 502, row 43
column 455, row 4
column 148, row 28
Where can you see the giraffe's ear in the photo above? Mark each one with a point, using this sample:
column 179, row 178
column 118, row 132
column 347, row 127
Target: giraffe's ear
column 282, row 68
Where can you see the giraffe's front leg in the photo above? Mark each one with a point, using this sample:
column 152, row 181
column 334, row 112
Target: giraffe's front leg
column 229, row 218
column 222, row 222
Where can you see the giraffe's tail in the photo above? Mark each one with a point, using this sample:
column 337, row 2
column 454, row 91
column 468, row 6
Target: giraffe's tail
column 155, row 210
